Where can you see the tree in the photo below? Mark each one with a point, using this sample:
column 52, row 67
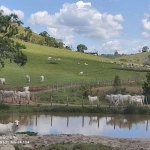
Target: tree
column 81, row 48
column 28, row 33
column 117, row 81
column 145, row 49
column 146, row 87
column 116, row 53
column 8, row 48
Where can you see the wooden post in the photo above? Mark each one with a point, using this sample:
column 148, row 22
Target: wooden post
column 67, row 100
column 146, row 101
column 82, row 101
column 36, row 99
column 64, row 89
column 51, row 100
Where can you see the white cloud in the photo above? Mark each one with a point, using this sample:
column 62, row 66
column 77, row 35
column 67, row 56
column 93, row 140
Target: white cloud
column 145, row 34
column 80, row 18
column 111, row 46
column 7, row 11
column 137, row 48
column 146, row 24
column 62, row 33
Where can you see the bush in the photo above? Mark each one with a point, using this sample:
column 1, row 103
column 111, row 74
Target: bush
column 4, row 106
column 130, row 109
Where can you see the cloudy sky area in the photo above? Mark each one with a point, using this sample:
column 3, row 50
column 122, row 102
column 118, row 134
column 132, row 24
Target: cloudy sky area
column 101, row 25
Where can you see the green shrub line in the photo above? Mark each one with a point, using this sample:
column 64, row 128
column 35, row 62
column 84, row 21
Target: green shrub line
column 129, row 109
column 70, row 146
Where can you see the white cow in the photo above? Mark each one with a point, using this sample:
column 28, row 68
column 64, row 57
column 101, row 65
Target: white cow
column 93, row 99
column 6, row 94
column 80, row 73
column 27, row 78
column 9, row 129
column 49, row 58
column 42, row 78
column 26, row 88
column 114, row 99
column 137, row 100
column 24, row 94
column 125, row 98
column 2, row 81
column 86, row 64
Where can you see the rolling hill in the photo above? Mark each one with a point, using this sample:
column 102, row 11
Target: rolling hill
column 64, row 71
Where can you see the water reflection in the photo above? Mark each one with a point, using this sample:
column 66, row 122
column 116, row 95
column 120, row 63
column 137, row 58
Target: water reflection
column 125, row 126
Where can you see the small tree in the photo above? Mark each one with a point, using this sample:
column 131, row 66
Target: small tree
column 145, row 49
column 117, row 81
column 117, row 84
column 146, row 87
column 81, row 48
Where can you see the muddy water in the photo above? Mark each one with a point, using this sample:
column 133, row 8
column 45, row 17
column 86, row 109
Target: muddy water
column 123, row 126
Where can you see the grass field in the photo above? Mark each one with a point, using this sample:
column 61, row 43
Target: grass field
column 64, row 71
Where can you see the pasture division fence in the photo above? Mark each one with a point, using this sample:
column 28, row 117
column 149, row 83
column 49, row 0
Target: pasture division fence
column 92, row 83
column 65, row 100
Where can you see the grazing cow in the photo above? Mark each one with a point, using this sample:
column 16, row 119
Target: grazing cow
column 24, row 94
column 93, row 99
column 9, row 129
column 2, row 81
column 49, row 58
column 85, row 64
column 80, row 73
column 6, row 94
column 42, row 78
column 27, row 78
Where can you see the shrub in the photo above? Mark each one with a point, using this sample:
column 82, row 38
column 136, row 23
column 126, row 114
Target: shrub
column 130, row 109
column 4, row 106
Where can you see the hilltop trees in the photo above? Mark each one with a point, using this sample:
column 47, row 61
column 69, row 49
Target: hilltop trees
column 28, row 33
column 50, row 41
column 8, row 48
column 145, row 49
column 81, row 48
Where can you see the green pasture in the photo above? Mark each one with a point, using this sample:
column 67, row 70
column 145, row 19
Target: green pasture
column 64, row 71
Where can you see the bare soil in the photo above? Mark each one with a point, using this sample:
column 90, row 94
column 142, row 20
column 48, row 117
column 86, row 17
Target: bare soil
column 115, row 143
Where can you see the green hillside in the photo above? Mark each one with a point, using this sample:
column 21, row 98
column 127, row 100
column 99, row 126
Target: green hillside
column 139, row 58
column 64, row 71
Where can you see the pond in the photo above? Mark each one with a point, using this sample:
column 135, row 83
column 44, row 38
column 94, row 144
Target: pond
column 120, row 126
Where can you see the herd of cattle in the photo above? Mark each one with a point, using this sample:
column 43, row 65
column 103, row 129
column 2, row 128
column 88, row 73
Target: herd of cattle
column 120, row 99
column 16, row 95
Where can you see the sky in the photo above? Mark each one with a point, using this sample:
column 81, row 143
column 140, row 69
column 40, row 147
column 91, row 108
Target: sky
column 103, row 26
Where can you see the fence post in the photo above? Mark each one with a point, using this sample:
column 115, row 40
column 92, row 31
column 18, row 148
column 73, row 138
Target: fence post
column 82, row 101
column 36, row 99
column 51, row 100
column 146, row 101
column 67, row 100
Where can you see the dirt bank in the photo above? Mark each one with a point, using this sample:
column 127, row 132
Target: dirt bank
column 115, row 143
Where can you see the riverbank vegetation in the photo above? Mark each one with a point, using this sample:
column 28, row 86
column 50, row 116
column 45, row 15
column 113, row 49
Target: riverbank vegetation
column 70, row 146
column 129, row 109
